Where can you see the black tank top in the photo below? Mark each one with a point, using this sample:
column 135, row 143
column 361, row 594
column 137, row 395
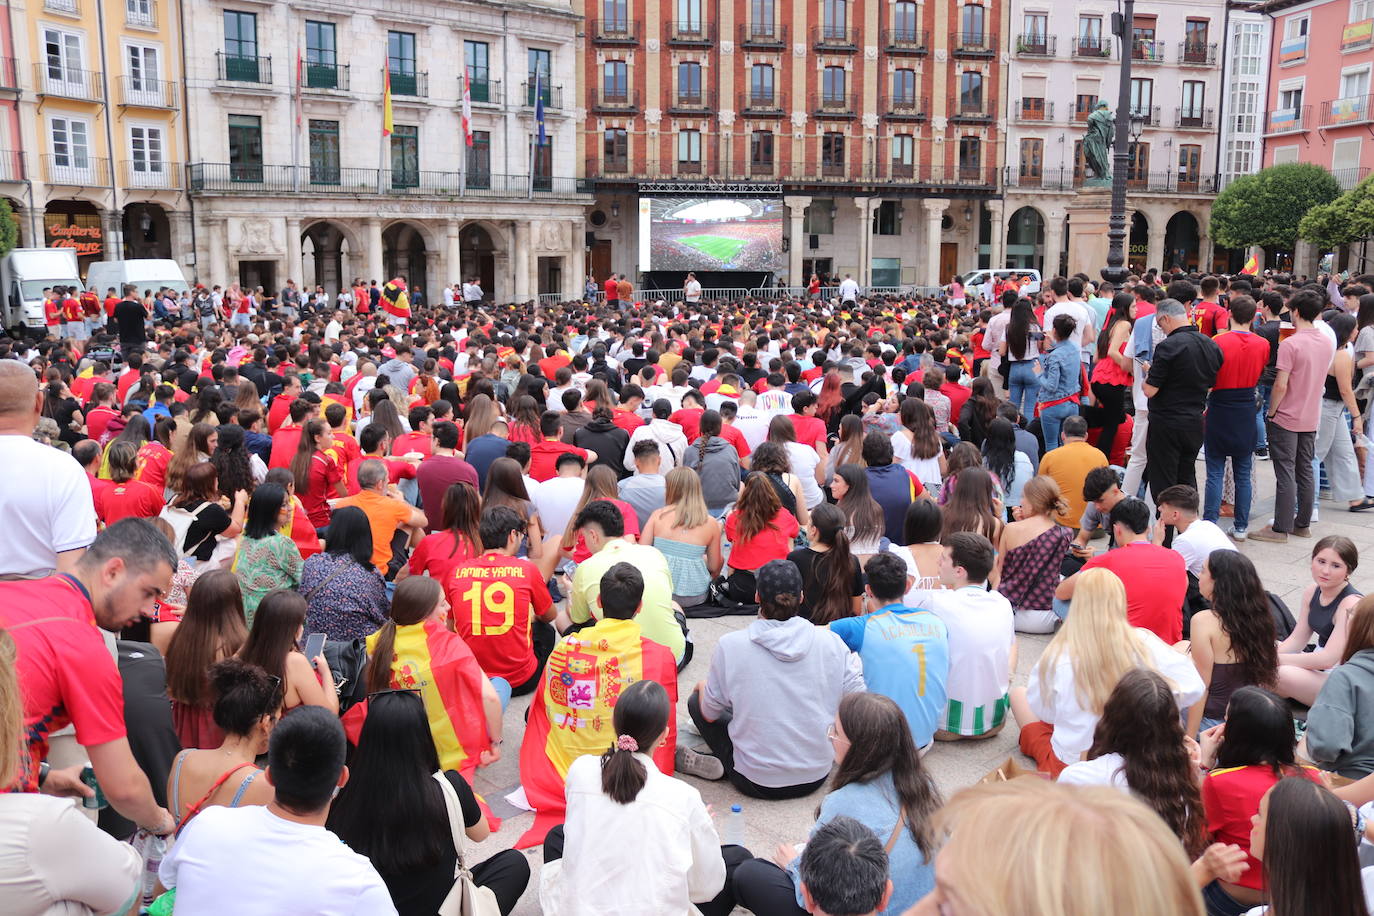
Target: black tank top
column 1322, row 617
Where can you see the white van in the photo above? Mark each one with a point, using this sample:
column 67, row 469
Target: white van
column 24, row 273
column 146, row 273
column 976, row 278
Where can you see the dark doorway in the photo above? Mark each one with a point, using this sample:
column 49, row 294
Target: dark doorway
column 253, row 274
column 479, row 259
column 147, row 232
column 403, row 254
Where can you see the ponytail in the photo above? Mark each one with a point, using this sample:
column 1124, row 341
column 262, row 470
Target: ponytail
column 622, row 776
column 641, row 715
column 379, row 672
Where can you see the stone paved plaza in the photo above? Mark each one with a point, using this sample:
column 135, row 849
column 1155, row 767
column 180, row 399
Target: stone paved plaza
column 1284, row 568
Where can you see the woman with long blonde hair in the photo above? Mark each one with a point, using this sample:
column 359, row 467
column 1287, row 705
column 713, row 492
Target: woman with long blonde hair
column 1059, row 707
column 478, row 417
column 688, row 537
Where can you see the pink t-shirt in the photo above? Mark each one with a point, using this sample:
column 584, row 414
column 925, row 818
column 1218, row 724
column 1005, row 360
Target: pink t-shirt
column 1306, row 356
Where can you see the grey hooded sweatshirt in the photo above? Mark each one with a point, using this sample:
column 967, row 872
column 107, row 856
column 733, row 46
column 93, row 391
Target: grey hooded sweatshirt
column 1340, row 725
column 718, row 467
column 781, row 682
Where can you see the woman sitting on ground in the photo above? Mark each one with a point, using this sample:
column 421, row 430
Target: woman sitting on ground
column 1068, row 688
column 247, row 704
column 770, row 460
column 398, row 809
column 1005, row 462
column 345, row 594
column 759, row 529
column 921, row 531
column 863, row 516
column 1336, row 735
column 1323, row 611
column 653, row 817
column 1233, row 642
column 456, row 540
column 274, row 646
column 972, row 506
column 266, row 559
column 211, row 629
column 832, row 580
column 917, row 446
column 879, row 781
column 1029, row 555
column 1311, row 861
column 687, row 536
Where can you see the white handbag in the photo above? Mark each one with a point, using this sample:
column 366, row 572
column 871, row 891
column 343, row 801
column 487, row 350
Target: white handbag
column 465, row 898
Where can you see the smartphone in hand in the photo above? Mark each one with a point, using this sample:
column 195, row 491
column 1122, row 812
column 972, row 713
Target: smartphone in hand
column 314, row 645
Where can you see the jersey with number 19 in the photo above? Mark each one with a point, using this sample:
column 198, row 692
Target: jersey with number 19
column 491, row 598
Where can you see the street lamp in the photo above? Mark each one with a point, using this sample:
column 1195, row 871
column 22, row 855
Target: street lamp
column 1122, row 26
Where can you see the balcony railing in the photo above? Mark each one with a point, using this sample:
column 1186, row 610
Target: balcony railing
column 1080, row 114
column 1090, row 49
column 615, row 32
column 1034, row 110
column 9, row 74
column 852, row 171
column 326, row 77
column 234, row 68
column 1197, row 54
column 834, row 38
column 1147, row 51
column 688, row 33
column 146, row 93
column 141, row 13
column 1064, row 179
column 1148, row 115
column 834, row 105
column 255, row 179
column 1035, row 45
column 410, row 85
column 1348, row 178
column 969, row 111
column 1193, row 118
column 906, row 41
column 76, row 171
column 974, row 44
column 763, row 35
column 153, row 176
column 482, row 92
column 1355, row 109
column 616, row 100
column 763, row 103
column 1288, row 120
column 69, row 83
column 12, row 166
column 62, row 6
column 908, row 108
column 692, row 101
column 553, row 95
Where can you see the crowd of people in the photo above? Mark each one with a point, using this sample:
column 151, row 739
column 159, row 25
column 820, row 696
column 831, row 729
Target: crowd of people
column 277, row 567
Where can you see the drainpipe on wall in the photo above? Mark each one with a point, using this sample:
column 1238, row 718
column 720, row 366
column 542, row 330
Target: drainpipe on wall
column 186, row 145
column 115, row 244
column 1221, row 103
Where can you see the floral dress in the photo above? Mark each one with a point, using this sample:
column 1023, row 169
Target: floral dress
column 265, row 564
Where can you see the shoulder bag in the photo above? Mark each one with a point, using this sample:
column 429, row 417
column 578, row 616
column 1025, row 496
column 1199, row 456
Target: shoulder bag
column 465, row 898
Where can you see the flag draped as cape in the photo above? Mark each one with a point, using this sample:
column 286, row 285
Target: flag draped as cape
column 571, row 712
column 395, row 301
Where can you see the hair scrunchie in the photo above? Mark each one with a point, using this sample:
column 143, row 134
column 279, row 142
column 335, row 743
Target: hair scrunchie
column 626, row 743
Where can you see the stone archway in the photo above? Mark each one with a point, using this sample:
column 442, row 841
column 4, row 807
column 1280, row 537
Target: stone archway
column 147, row 231
column 76, row 224
column 479, row 257
column 1182, row 241
column 1026, row 240
column 1138, row 243
column 404, row 253
column 329, row 255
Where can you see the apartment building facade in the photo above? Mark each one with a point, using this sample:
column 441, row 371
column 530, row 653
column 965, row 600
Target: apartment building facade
column 875, row 121
column 292, row 177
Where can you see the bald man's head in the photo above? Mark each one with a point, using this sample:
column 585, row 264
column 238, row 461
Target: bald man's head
column 18, row 391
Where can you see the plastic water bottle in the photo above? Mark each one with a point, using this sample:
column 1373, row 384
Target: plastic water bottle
column 734, row 827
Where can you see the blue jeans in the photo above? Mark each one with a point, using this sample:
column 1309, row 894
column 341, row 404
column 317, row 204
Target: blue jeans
column 1220, row 903
column 1023, row 385
column 503, row 688
column 1061, row 608
column 1260, row 426
column 1242, row 467
column 1051, row 418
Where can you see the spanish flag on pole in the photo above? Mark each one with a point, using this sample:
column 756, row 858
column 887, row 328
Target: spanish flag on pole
column 386, row 102
column 1251, row 266
column 571, row 713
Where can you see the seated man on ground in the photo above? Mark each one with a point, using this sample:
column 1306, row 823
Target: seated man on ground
column 1069, row 464
column 771, row 696
column 1194, row 538
column 1101, row 491
column 904, row 650
column 844, row 871
column 571, row 712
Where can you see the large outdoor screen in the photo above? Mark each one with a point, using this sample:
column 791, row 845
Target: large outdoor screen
column 710, row 234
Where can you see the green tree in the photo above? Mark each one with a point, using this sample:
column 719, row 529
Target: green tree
column 1265, row 208
column 1328, row 225
column 9, row 228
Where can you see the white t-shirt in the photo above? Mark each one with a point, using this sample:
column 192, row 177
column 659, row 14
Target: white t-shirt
column 248, row 860
column 1100, row 771
column 1075, row 310
column 556, row 498
column 692, row 291
column 803, row 459
column 1198, row 542
column 752, row 424
column 47, row 507
column 982, row 629
column 849, row 290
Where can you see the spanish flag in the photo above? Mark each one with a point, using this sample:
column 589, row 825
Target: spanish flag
column 386, row 102
column 1251, row 266
column 394, row 299
column 571, row 713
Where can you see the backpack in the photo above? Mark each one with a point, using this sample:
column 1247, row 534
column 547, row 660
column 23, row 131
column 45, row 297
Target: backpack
column 207, row 307
column 181, row 521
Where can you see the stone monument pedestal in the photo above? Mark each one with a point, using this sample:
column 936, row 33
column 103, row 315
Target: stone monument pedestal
column 1089, row 218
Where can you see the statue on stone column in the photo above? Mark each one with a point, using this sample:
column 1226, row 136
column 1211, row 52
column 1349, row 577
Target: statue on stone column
column 1097, row 144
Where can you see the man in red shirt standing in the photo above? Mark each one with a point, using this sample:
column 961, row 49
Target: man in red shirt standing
column 52, row 312
column 612, row 291
column 1209, row 314
column 1230, row 430
column 958, row 394
column 492, row 599
column 1156, row 578
column 66, row 674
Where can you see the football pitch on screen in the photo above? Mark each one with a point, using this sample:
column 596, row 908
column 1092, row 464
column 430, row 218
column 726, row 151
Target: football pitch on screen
column 719, row 247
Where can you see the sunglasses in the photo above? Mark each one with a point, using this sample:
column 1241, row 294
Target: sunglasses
column 413, row 691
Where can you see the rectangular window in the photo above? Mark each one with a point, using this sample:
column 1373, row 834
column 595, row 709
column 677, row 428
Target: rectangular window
column 240, row 34
column 1360, row 10
column 616, row 149
column 833, row 84
column 542, row 180
column 689, row 151
column 400, row 63
column 321, row 56
column 540, row 62
column 1032, row 158
column 972, row 20
column 762, row 15
column 1189, row 166
column 905, row 21
column 1345, row 161
column 1194, row 99
column 146, row 159
column 69, row 139
column 1036, row 26
column 1142, row 96
column 886, row 222
column 477, row 59
column 761, row 84
column 1240, row 157
column 904, row 88
column 820, row 217
column 62, row 62
column 1290, row 99
column 1138, row 166
column 761, row 152
column 970, row 157
column 405, row 156
column 971, row 92
column 145, row 85
column 834, row 19
column 615, row 15
column 1090, row 36
column 324, row 152
column 1195, row 40
column 688, row 16
column 903, row 156
column 1083, row 105
column 615, row 81
column 1355, row 83
column 1244, row 107
column 689, row 83
column 832, row 154
column 245, row 147
column 1285, row 154
column 139, row 12
column 1296, row 27
column 479, row 160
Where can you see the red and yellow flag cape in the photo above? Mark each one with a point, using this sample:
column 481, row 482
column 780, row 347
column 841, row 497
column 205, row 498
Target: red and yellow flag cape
column 571, row 713
column 395, row 301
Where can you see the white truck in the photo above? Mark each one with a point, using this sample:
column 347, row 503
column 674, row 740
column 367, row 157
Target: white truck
column 24, row 274
column 147, row 273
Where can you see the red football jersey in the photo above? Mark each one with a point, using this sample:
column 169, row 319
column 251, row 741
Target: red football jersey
column 491, row 599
